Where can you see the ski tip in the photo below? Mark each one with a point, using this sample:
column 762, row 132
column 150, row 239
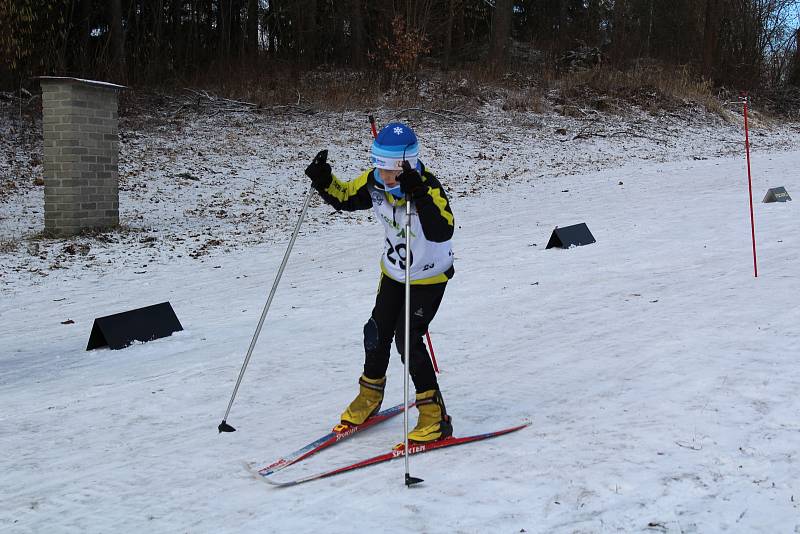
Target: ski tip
column 276, row 484
column 250, row 468
column 524, row 424
column 259, row 475
column 225, row 427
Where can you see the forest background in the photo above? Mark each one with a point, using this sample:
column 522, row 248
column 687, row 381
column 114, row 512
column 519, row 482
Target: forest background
column 342, row 54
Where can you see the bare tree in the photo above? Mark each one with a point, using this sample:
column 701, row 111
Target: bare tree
column 252, row 27
column 84, row 27
column 448, row 33
column 117, row 69
column 305, row 16
column 794, row 75
column 357, row 46
column 501, row 32
column 710, row 36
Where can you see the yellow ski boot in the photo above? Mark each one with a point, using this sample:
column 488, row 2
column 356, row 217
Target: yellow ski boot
column 434, row 423
column 365, row 405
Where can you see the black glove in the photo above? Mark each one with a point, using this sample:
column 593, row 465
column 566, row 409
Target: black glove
column 411, row 182
column 319, row 171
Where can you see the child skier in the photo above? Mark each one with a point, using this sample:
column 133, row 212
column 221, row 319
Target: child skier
column 385, row 188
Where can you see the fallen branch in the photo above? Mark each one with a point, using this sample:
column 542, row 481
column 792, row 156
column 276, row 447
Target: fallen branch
column 230, row 110
column 215, row 98
column 198, row 93
column 583, row 111
column 301, row 109
column 442, row 115
column 634, row 134
column 181, row 108
column 586, row 135
column 240, row 102
column 583, row 133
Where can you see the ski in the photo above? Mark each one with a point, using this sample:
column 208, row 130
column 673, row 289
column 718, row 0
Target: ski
column 327, row 440
column 397, row 452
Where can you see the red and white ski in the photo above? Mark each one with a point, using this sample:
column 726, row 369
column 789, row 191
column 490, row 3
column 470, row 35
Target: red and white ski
column 329, row 439
column 396, row 452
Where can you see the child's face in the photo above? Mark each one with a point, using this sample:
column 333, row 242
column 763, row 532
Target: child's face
column 389, row 177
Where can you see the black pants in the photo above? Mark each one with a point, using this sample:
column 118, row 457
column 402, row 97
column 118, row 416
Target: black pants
column 388, row 321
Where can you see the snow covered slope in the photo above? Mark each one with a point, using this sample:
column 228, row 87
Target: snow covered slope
column 661, row 377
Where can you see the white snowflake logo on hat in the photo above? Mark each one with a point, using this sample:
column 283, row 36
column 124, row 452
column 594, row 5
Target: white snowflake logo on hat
column 397, row 130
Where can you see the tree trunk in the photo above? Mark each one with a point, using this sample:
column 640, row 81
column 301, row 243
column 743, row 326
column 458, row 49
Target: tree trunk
column 561, row 36
column 272, row 27
column 501, row 31
column 85, row 30
column 117, row 42
column 459, row 28
column 649, row 31
column 794, row 77
column 448, row 35
column 311, row 32
column 710, row 34
column 305, row 16
column 357, row 51
column 224, row 28
column 158, row 60
column 175, row 34
column 619, row 33
column 236, row 28
column 252, row 27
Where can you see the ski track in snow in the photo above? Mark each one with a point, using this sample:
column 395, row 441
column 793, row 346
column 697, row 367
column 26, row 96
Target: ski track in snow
column 661, row 376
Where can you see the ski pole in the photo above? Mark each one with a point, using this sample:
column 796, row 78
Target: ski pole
column 409, row 479
column 372, row 125
column 427, row 334
column 744, row 100
column 224, row 426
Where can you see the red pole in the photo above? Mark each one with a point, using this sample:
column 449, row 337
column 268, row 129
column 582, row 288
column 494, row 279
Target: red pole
column 427, row 334
column 750, row 185
column 372, row 125
column 433, row 356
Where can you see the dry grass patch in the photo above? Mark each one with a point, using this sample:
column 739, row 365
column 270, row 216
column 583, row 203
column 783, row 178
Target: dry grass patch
column 525, row 100
column 652, row 87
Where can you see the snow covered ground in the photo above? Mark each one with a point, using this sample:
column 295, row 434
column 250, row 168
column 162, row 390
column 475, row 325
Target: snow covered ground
column 661, row 377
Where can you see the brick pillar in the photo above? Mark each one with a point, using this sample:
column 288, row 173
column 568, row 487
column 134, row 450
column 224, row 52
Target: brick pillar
column 81, row 149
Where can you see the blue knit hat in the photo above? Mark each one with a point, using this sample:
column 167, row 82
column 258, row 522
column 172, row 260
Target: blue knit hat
column 394, row 142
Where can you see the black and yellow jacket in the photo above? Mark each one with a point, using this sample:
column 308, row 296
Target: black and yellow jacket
column 431, row 228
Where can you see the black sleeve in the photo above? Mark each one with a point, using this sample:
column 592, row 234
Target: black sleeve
column 434, row 211
column 347, row 196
